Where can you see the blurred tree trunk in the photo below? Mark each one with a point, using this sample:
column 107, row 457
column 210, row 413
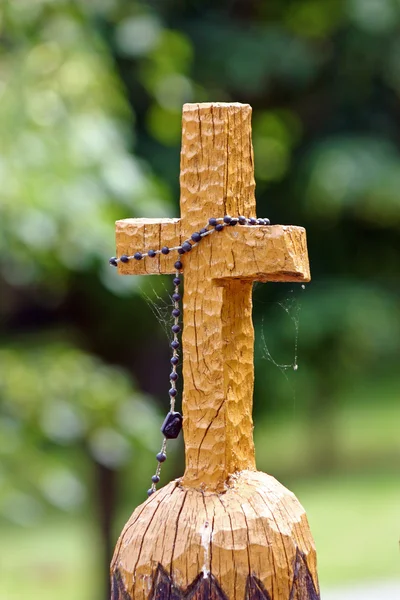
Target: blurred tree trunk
column 106, row 503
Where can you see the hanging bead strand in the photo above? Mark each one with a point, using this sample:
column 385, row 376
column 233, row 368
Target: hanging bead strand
column 172, row 424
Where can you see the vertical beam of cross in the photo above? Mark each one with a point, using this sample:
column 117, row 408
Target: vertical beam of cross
column 217, row 178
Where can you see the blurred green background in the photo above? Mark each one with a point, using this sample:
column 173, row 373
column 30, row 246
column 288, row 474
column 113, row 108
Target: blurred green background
column 91, row 96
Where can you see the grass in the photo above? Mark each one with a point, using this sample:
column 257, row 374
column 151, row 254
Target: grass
column 55, row 560
column 354, row 521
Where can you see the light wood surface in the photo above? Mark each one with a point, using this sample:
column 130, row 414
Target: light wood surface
column 223, row 522
column 256, row 528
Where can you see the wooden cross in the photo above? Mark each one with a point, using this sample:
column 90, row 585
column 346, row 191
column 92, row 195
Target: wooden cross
column 216, row 179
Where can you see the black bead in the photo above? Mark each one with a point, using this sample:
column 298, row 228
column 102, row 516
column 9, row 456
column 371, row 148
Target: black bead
column 242, row 220
column 219, row 227
column 267, row 222
column 181, row 250
column 165, row 250
column 253, row 221
column 155, row 479
column 227, row 219
column 260, row 221
column 196, row 237
column 172, row 392
column 175, row 344
column 176, row 312
column 187, row 246
column 161, row 457
column 234, row 221
column 113, row 261
column 150, row 491
column 173, row 376
column 175, row 328
column 174, row 360
column 152, row 253
column 212, row 222
column 172, row 425
column 176, row 281
column 176, row 297
column 203, row 230
column 124, row 258
column 178, row 265
column 138, row 256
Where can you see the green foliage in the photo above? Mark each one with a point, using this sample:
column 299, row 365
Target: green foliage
column 91, row 96
column 61, row 409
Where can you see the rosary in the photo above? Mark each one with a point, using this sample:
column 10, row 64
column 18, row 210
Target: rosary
column 172, row 424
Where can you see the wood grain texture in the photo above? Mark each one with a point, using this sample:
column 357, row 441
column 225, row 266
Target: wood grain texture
column 254, row 253
column 224, row 531
column 252, row 542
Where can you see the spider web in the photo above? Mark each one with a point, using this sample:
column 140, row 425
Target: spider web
column 161, row 306
column 291, row 305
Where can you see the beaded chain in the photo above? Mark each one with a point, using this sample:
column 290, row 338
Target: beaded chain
column 172, row 424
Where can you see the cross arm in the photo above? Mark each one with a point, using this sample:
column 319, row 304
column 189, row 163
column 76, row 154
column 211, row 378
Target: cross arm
column 141, row 235
column 260, row 253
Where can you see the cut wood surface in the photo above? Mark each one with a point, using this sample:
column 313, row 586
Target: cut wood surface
column 223, row 522
column 253, row 537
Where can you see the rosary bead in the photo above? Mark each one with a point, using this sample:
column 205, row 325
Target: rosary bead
column 177, row 281
column 187, row 246
column 165, row 250
column 219, row 227
column 155, row 479
column 175, row 328
column 175, row 344
column 234, row 221
column 152, row 253
column 174, row 360
column 138, row 256
column 176, row 312
column 176, row 297
column 260, row 221
column 178, row 265
column 150, row 491
column 253, row 221
column 172, row 425
column 113, row 261
column 267, row 222
column 181, row 250
column 196, row 237
column 242, row 220
column 212, row 222
column 173, row 376
column 227, row 219
column 203, row 230
column 172, row 392
column 161, row 457
column 124, row 258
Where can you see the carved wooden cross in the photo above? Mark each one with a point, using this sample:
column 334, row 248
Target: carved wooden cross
column 217, row 178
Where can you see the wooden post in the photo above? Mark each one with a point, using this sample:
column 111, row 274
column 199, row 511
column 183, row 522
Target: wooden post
column 224, row 530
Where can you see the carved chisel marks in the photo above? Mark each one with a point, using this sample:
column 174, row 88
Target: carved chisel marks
column 208, row 588
column 118, row 591
column 303, row 585
column 200, row 589
column 255, row 589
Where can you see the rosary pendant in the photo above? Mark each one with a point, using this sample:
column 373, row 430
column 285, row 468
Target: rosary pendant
column 224, row 530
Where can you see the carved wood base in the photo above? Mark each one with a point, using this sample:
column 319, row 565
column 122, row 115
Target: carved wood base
column 251, row 542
